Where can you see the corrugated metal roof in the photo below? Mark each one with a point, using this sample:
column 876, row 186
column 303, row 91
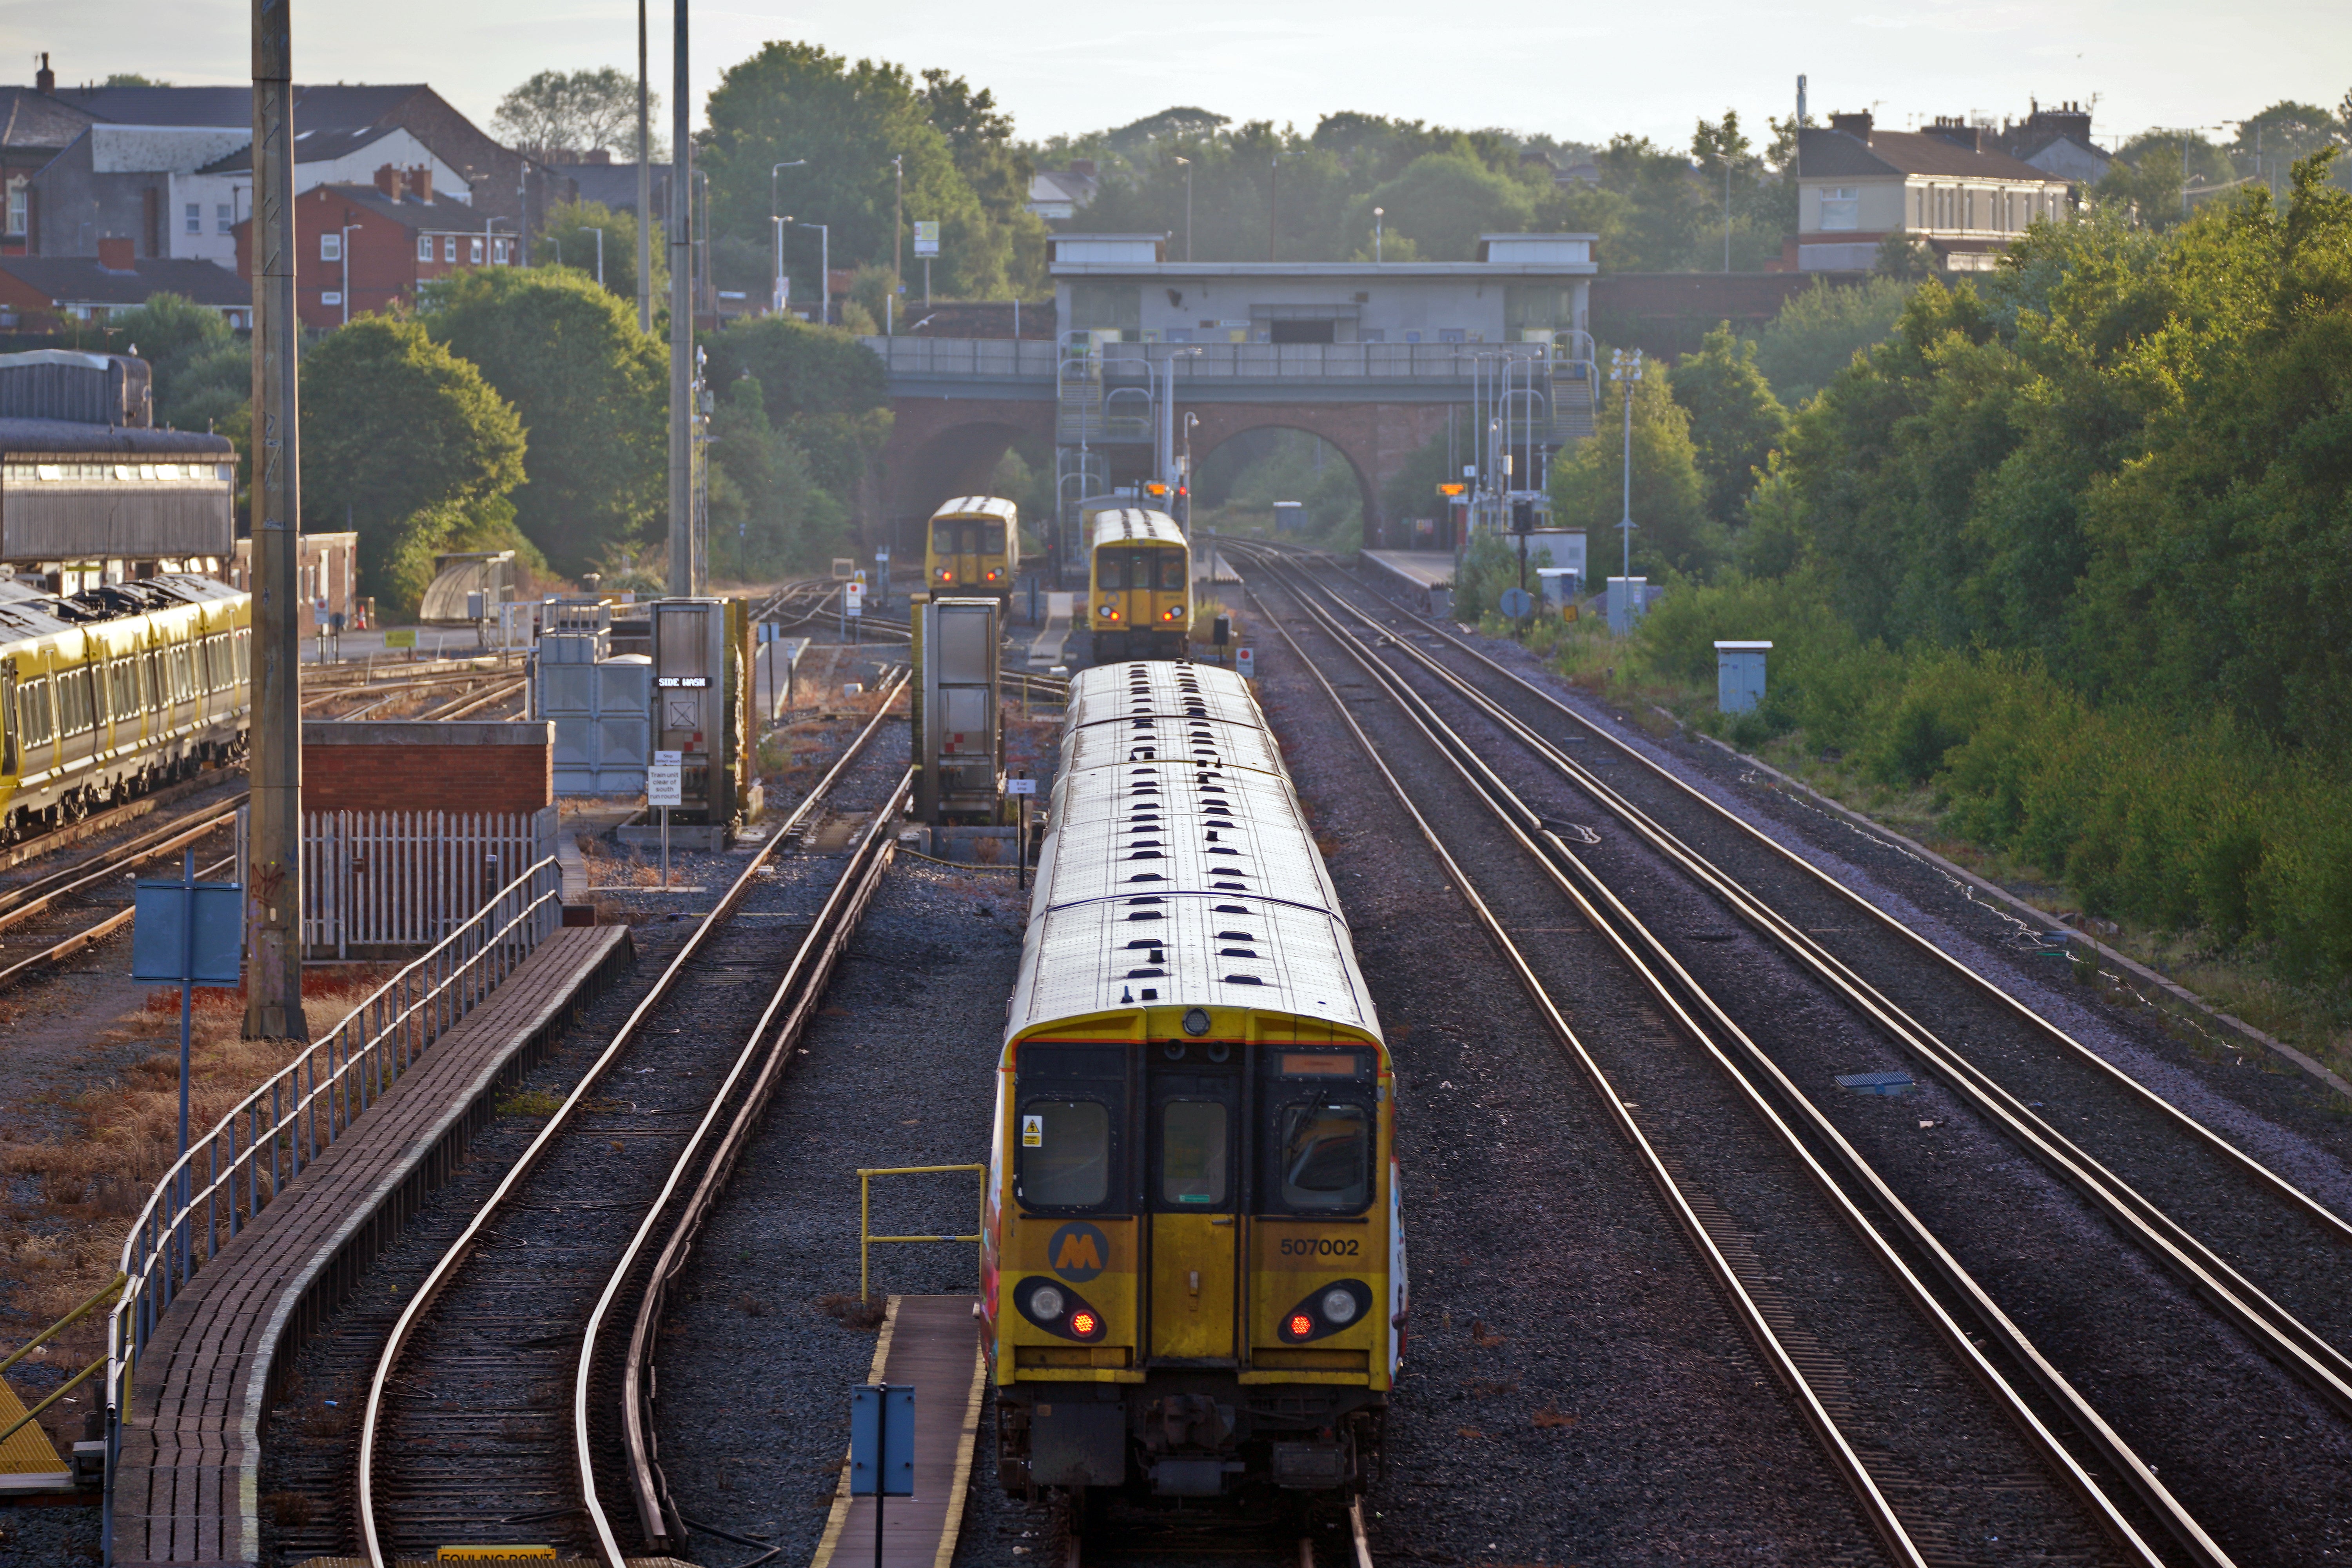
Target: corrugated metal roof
column 1177, row 873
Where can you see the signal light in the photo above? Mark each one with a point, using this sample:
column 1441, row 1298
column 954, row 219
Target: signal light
column 1301, row 1325
column 1084, row 1323
column 1451, row 489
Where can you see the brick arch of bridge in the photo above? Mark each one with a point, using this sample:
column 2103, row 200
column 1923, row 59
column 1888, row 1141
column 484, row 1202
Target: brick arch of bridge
column 1377, row 438
column 941, row 448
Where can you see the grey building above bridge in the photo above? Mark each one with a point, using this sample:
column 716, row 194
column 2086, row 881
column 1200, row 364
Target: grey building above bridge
column 1523, row 287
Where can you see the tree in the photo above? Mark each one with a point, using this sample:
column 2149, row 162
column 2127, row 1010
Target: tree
column 1443, row 201
column 588, row 385
column 560, row 116
column 1760, row 213
column 998, row 172
column 402, row 440
column 849, row 122
column 1735, row 420
column 1672, row 531
column 2152, row 187
column 768, row 515
column 569, row 237
column 2283, row 135
column 819, row 388
column 1903, row 257
column 1662, row 227
column 132, row 79
column 1817, row 333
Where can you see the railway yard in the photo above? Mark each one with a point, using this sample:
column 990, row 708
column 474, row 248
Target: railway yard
column 1772, row 1195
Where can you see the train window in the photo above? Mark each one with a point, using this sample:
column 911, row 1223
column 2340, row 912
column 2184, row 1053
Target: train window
column 122, row 675
column 1139, row 570
column 995, row 541
column 1171, row 571
column 1192, row 1154
column 182, row 678
column 1326, row 1157
column 33, row 713
column 74, row 714
column 971, row 542
column 1065, row 1154
column 244, row 655
column 943, row 539
column 1110, row 571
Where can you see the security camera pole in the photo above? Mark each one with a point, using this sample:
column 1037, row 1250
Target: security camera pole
column 273, row 903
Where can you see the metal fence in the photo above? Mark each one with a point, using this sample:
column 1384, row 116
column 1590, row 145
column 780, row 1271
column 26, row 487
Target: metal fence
column 1568, row 353
column 378, row 881
column 234, row 1171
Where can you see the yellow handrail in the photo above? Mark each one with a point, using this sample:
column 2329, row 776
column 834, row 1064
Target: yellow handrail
column 108, row 1289
column 865, row 1236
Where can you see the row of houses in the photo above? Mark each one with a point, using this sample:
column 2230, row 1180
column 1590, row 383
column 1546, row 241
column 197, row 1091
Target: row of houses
column 109, row 194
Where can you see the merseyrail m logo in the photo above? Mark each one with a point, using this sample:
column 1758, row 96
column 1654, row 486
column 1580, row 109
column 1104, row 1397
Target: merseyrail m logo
column 1077, row 1252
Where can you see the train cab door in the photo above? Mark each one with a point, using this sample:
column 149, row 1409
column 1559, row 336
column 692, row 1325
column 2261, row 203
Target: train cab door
column 1194, row 1166
column 968, row 541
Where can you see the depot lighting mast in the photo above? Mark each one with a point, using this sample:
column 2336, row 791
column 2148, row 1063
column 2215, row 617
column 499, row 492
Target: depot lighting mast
column 273, row 899
column 681, row 321
column 1627, row 368
column 645, row 190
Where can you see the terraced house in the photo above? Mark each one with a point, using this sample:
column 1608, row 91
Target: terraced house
column 1945, row 185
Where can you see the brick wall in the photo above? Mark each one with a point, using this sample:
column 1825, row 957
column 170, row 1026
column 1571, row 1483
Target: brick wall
column 493, row 767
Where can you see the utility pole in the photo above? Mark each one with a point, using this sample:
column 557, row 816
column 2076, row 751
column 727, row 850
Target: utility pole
column 273, row 897
column 1273, row 208
column 897, row 223
column 1186, row 164
column 1627, row 368
column 681, row 320
column 645, row 190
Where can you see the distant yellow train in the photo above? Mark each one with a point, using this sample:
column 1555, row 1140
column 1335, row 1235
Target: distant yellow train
column 1141, row 580
column 116, row 689
column 973, row 548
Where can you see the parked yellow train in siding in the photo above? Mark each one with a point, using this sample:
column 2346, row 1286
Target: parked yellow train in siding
column 973, row 548
column 111, row 691
column 1141, row 574
column 1192, row 1257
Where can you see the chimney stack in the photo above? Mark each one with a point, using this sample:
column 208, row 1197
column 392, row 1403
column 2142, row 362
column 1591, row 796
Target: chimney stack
column 1958, row 132
column 115, row 254
column 45, row 79
column 420, row 181
column 1854, row 125
column 387, row 180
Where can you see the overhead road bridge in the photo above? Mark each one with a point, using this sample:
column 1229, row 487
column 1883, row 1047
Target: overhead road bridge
column 1163, row 361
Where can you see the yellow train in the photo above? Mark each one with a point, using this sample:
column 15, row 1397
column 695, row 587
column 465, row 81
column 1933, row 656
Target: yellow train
column 973, row 548
column 114, row 690
column 1192, row 1255
column 1140, row 575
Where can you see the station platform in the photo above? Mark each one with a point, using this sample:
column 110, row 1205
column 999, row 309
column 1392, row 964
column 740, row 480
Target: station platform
column 1051, row 644
column 931, row 1343
column 1426, row 575
column 187, row 1481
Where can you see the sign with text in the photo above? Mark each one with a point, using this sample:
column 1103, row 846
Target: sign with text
column 1245, row 662
column 1021, row 786
column 855, row 600
column 665, row 779
column 927, row 239
column 405, row 637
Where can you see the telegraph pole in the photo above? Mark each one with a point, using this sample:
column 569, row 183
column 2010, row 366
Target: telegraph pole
column 645, row 190
column 273, row 898
column 681, row 321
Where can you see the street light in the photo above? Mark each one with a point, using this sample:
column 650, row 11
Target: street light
column 1627, row 368
column 777, row 302
column 1378, row 213
column 1187, row 165
column 599, row 256
column 824, row 268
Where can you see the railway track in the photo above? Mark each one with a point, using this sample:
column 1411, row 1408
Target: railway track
column 1094, row 1543
column 500, row 1406
column 1765, row 1121
column 48, row 919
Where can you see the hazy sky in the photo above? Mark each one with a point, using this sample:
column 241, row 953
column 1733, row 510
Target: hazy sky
column 1060, row 67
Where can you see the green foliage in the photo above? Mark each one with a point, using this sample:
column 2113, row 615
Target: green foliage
column 768, row 516
column 1672, row 530
column 1817, row 333
column 849, row 121
column 1240, row 482
column 404, row 442
column 819, row 386
column 561, row 116
column 590, row 388
column 1735, row 420
column 1443, row 202
column 570, row 235
column 1905, row 257
column 204, row 370
column 1411, row 490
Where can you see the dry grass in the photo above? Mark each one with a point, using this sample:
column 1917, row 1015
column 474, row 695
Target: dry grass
column 61, row 1243
column 850, row 1313
column 615, row 866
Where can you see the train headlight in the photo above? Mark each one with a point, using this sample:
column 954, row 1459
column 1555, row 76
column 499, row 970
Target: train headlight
column 1046, row 1303
column 947, row 574
column 1339, row 1306
column 1110, row 612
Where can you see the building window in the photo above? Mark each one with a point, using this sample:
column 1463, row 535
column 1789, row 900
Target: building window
column 195, row 217
column 1969, row 199
column 17, row 206
column 424, row 247
column 1838, row 206
column 449, row 247
column 499, row 252
column 331, row 248
column 475, row 249
column 332, row 296
column 224, row 219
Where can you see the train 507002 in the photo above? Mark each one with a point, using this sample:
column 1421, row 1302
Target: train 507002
column 1192, row 1255
column 114, row 690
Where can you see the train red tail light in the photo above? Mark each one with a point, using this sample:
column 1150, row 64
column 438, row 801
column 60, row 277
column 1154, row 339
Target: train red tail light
column 1301, row 1325
column 1085, row 1324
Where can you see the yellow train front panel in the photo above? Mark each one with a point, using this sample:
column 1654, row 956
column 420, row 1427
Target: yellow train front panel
column 1139, row 582
column 973, row 547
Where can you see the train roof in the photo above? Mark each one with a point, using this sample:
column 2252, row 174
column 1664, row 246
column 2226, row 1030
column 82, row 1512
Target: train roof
column 48, row 614
column 22, row 439
column 1181, row 871
column 979, row 506
column 1135, row 524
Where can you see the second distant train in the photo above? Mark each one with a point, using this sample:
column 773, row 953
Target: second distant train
column 973, row 548
column 1139, row 576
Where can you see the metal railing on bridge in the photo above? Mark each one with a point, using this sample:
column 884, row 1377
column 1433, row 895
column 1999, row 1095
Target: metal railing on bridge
column 1570, row 355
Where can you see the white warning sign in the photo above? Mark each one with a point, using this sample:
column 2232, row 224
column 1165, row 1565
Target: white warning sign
column 1032, row 1133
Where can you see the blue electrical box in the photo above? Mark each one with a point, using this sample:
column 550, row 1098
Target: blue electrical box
column 1739, row 676
column 882, row 1440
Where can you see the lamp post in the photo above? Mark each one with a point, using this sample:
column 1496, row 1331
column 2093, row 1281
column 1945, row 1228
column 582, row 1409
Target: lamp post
column 824, row 268
column 600, row 255
column 1378, row 213
column 897, row 241
column 1186, row 163
column 1273, row 208
column 777, row 301
column 1627, row 368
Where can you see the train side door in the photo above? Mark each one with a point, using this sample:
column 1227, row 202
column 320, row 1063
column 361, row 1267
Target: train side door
column 1194, row 1145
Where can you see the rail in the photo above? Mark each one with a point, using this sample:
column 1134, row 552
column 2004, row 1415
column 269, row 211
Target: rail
column 273, row 1132
column 865, row 1236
